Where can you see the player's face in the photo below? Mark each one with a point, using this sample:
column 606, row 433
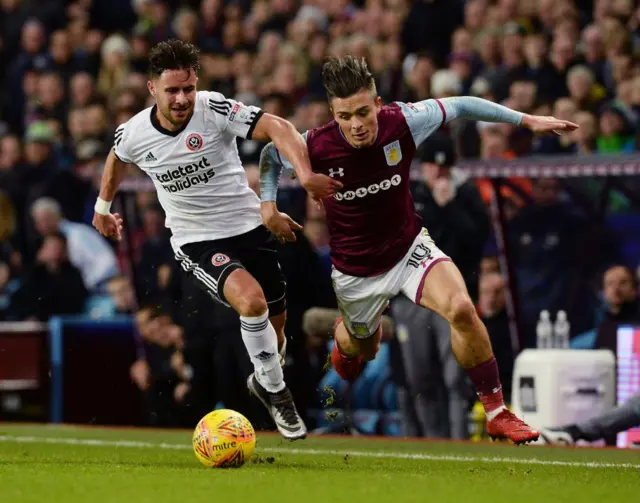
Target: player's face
column 175, row 94
column 357, row 116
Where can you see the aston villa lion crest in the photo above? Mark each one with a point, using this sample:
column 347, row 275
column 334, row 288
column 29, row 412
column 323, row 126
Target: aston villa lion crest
column 393, row 153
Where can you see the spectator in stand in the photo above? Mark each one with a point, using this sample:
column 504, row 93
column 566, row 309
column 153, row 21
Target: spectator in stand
column 546, row 240
column 617, row 131
column 162, row 373
column 122, row 295
column 620, row 292
column 584, row 138
column 155, row 251
column 53, row 286
column 88, row 251
column 10, row 170
column 562, row 108
column 39, row 158
column 584, row 90
column 620, row 306
column 492, row 310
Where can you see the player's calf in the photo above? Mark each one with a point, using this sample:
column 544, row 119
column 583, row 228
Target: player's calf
column 461, row 312
column 445, row 292
column 350, row 362
column 472, row 347
column 245, row 295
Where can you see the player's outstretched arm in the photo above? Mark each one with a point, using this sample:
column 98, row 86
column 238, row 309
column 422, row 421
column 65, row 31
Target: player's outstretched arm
column 293, row 147
column 426, row 117
column 108, row 224
column 469, row 107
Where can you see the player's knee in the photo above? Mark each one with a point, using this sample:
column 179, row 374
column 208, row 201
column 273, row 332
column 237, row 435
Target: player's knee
column 461, row 311
column 253, row 303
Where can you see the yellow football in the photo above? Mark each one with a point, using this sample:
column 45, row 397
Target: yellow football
column 224, row 438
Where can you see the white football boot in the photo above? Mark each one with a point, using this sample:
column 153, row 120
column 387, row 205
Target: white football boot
column 556, row 436
column 281, row 408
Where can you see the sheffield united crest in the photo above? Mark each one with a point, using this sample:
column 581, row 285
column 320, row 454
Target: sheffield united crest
column 194, row 142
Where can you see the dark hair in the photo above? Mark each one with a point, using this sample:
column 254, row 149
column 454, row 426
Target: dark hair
column 346, row 76
column 173, row 55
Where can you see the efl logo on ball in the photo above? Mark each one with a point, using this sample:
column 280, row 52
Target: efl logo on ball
column 194, row 142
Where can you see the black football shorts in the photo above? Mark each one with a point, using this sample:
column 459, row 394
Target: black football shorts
column 209, row 263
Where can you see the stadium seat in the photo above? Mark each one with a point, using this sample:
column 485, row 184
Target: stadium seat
column 389, row 396
column 586, row 340
column 100, row 307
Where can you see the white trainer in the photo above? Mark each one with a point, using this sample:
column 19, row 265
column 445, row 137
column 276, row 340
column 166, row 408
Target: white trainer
column 556, row 436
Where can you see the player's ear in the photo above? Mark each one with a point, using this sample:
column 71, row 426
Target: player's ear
column 151, row 88
column 378, row 102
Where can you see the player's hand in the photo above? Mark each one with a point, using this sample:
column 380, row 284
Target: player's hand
column 110, row 226
column 177, row 362
column 181, row 391
column 542, row 124
column 320, row 186
column 280, row 224
column 141, row 374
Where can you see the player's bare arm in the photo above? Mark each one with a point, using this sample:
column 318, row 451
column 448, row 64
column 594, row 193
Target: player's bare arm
column 291, row 144
column 109, row 224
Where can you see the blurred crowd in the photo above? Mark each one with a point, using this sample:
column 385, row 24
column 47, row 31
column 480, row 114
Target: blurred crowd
column 72, row 71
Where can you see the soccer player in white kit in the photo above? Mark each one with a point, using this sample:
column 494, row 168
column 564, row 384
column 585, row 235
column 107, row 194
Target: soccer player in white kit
column 186, row 143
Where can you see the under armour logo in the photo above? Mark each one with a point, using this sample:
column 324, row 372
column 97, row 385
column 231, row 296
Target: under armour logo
column 338, row 172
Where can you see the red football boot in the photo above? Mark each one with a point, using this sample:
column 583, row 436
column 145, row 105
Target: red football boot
column 347, row 367
column 508, row 425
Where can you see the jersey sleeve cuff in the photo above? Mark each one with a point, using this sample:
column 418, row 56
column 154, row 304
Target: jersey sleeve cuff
column 118, row 157
column 253, row 124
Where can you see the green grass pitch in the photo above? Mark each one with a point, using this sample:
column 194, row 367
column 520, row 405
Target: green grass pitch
column 53, row 464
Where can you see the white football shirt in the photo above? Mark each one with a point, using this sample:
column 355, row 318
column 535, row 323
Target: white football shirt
column 201, row 183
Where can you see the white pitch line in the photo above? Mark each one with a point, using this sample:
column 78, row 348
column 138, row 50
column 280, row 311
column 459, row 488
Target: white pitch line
column 319, row 452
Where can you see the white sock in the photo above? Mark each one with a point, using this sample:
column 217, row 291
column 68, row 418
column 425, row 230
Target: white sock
column 261, row 342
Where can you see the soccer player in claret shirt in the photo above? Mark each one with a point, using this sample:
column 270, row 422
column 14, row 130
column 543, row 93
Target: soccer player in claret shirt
column 378, row 245
column 186, row 143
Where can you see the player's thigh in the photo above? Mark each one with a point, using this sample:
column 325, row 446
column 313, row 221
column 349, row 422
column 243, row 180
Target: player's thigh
column 219, row 271
column 361, row 302
column 431, row 278
column 261, row 260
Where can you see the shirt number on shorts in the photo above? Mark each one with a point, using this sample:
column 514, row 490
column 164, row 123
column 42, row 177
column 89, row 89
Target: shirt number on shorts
column 419, row 256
